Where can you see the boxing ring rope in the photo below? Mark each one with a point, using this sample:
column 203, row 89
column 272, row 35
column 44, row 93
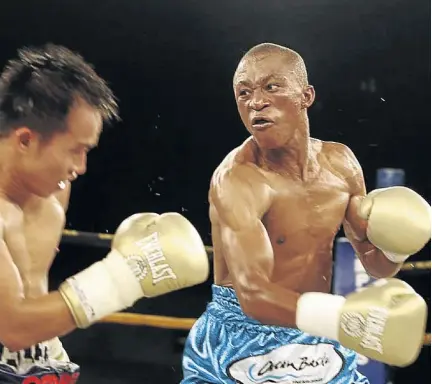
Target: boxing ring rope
column 103, row 240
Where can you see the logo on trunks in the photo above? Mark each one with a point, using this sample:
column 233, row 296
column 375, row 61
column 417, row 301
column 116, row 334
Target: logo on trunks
column 370, row 329
column 156, row 260
column 65, row 378
column 290, row 364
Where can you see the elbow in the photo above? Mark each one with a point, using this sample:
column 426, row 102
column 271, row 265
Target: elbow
column 379, row 267
column 13, row 341
column 12, row 336
column 251, row 301
column 266, row 302
column 374, row 274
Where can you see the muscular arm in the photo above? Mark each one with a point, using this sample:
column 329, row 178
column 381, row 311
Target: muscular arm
column 27, row 321
column 238, row 201
column 373, row 260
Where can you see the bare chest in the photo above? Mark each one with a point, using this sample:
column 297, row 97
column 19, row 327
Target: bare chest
column 306, row 216
column 34, row 241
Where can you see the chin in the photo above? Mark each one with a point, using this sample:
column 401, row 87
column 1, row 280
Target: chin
column 39, row 191
column 42, row 194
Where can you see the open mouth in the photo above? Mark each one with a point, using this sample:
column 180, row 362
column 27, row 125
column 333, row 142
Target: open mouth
column 261, row 123
column 62, row 184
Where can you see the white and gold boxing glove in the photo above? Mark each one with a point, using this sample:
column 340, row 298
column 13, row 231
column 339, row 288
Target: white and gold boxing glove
column 151, row 255
column 399, row 221
column 385, row 321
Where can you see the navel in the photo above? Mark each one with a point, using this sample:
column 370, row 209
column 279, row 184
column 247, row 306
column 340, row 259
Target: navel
column 280, row 240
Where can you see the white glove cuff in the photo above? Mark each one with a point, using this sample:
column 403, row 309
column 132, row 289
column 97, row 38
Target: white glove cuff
column 394, row 257
column 319, row 314
column 105, row 287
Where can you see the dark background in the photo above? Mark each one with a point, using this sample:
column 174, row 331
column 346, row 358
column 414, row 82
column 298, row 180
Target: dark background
column 171, row 64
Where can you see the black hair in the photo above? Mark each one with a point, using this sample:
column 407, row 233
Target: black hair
column 39, row 87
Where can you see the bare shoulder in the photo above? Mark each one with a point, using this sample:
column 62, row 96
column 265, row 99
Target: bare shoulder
column 341, row 158
column 237, row 170
column 234, row 167
column 343, row 162
column 11, row 216
column 9, row 210
column 238, row 188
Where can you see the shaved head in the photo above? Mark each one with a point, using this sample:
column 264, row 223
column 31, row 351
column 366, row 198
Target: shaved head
column 271, row 83
column 293, row 61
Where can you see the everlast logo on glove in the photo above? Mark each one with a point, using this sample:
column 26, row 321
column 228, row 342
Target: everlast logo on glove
column 375, row 324
column 153, row 252
column 151, row 255
column 369, row 329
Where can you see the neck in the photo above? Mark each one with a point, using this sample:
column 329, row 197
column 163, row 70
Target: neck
column 292, row 158
column 11, row 186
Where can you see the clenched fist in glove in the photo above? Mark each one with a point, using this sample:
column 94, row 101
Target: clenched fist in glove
column 385, row 321
column 151, row 255
column 399, row 221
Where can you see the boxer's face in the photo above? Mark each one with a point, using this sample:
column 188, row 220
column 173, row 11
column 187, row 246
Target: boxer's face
column 270, row 99
column 46, row 163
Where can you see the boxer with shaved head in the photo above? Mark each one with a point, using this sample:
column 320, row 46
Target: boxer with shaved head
column 277, row 202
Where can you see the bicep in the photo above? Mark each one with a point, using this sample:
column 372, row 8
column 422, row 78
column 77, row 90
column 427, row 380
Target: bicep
column 248, row 252
column 246, row 245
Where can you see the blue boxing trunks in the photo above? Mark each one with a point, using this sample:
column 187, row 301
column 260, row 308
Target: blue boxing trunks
column 226, row 346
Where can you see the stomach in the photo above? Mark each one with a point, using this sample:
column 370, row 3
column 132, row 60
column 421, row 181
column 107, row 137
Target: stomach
column 309, row 271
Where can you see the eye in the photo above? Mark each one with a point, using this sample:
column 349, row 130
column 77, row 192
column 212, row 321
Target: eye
column 272, row 87
column 244, row 92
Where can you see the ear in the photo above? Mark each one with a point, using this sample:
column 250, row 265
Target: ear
column 308, row 96
column 25, row 137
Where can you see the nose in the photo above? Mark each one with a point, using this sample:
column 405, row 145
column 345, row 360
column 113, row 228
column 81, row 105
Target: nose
column 81, row 165
column 81, row 169
column 258, row 102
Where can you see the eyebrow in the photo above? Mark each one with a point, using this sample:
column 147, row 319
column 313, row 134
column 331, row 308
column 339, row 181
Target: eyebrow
column 262, row 80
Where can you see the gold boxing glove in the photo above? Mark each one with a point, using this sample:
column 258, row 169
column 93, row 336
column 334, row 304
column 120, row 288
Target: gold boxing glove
column 399, row 221
column 385, row 321
column 151, row 255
